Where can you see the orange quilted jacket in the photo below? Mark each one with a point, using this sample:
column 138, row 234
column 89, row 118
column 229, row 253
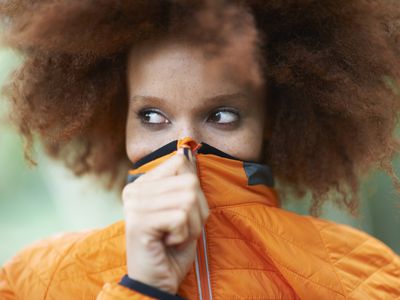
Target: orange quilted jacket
column 249, row 248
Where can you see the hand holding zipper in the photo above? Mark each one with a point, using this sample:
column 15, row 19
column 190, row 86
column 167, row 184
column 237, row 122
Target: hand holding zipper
column 165, row 210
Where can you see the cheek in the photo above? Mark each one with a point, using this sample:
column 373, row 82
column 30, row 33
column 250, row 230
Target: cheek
column 245, row 144
column 136, row 144
column 140, row 141
column 247, row 147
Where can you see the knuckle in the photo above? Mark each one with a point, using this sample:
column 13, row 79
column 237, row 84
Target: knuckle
column 207, row 211
column 145, row 240
column 181, row 218
column 205, row 216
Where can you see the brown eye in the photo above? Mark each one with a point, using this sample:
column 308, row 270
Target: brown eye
column 153, row 117
column 224, row 117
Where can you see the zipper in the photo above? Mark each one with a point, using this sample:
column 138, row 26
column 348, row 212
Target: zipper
column 202, row 271
column 201, row 260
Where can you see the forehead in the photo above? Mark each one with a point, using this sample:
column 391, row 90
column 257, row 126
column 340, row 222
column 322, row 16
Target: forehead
column 176, row 68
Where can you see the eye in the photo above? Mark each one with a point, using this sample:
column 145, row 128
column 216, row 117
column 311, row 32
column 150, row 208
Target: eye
column 152, row 116
column 224, row 116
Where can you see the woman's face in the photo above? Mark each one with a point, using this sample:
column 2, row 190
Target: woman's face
column 175, row 92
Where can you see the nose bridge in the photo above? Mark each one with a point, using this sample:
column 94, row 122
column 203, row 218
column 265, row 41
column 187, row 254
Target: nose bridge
column 187, row 128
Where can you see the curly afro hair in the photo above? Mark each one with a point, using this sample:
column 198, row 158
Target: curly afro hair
column 332, row 69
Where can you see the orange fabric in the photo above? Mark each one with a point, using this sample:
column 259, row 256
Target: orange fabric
column 253, row 250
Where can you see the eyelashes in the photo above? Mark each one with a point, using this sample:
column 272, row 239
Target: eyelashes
column 222, row 117
column 152, row 116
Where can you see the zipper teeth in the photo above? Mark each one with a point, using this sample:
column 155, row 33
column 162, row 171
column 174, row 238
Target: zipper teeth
column 198, row 277
column 206, row 261
column 201, row 259
column 202, row 271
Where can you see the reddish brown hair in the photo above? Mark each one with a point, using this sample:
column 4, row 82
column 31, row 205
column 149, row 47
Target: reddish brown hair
column 332, row 69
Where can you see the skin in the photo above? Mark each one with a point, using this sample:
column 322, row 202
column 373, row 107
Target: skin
column 176, row 92
column 187, row 90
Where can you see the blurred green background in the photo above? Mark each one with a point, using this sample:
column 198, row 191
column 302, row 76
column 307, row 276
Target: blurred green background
column 38, row 202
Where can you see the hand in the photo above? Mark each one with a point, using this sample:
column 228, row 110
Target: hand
column 164, row 210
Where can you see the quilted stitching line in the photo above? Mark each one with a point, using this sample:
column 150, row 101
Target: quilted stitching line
column 103, row 239
column 370, row 276
column 328, row 254
column 106, row 270
column 59, row 263
column 348, row 253
column 246, row 269
column 351, row 251
column 234, row 238
column 263, row 226
column 327, row 224
column 114, row 236
column 79, row 278
column 229, row 206
column 41, row 280
column 314, row 282
column 244, row 240
column 109, row 238
column 260, row 253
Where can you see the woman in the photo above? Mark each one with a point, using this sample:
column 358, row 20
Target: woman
column 206, row 99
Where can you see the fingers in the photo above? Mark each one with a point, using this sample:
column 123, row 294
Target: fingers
column 203, row 206
column 163, row 186
column 167, row 202
column 167, row 193
column 185, row 200
column 187, row 232
column 194, row 224
column 173, row 225
column 202, row 201
column 177, row 164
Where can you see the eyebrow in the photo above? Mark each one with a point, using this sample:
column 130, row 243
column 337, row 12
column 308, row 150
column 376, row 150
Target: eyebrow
column 138, row 99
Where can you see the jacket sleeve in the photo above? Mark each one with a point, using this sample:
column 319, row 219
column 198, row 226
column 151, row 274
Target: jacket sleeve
column 132, row 289
column 115, row 291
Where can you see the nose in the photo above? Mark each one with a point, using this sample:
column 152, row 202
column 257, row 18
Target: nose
column 189, row 129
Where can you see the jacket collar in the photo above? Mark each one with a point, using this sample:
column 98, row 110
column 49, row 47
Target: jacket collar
column 225, row 180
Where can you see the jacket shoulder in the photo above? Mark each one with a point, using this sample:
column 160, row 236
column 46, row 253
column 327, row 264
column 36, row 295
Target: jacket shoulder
column 366, row 266
column 34, row 270
column 33, row 267
column 320, row 257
